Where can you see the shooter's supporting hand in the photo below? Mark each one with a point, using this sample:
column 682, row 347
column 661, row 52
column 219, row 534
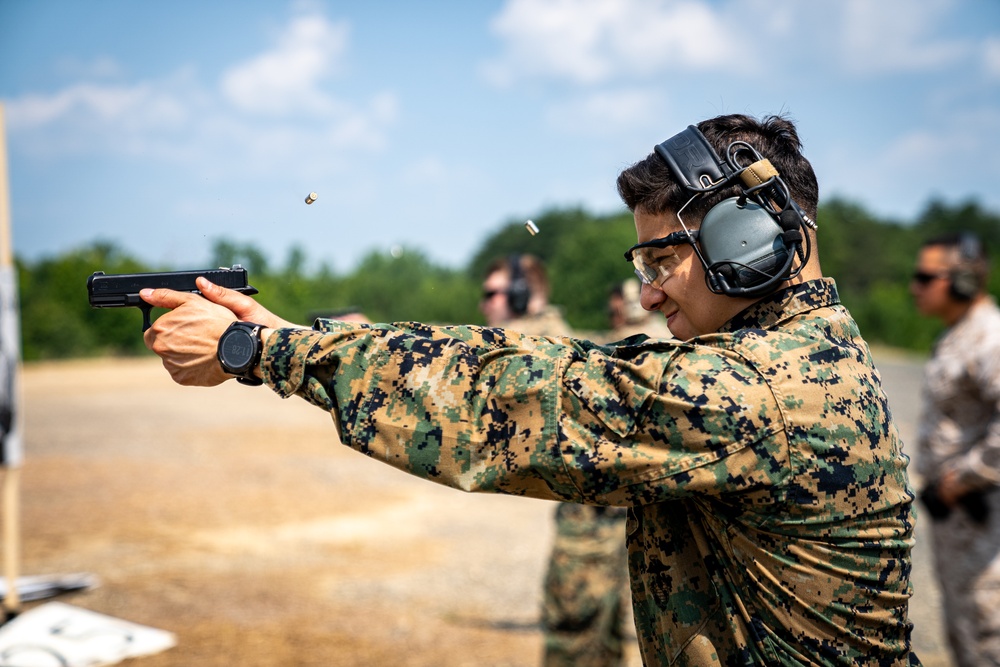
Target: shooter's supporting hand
column 187, row 337
column 949, row 489
column 242, row 306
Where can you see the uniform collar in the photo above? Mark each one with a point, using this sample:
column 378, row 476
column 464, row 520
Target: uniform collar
column 785, row 304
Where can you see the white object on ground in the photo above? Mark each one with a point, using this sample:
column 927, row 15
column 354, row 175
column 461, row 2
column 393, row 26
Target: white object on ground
column 61, row 635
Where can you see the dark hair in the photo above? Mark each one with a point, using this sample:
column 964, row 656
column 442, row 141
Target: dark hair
column 968, row 253
column 650, row 186
column 960, row 239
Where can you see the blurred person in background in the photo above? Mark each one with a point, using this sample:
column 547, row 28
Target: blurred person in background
column 959, row 441
column 627, row 317
column 516, row 295
column 585, row 591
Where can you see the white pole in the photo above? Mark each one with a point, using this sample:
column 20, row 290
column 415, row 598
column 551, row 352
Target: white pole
column 11, row 340
column 11, row 539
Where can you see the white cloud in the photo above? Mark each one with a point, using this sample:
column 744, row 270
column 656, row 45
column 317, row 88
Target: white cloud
column 287, row 78
column 102, row 67
column 365, row 127
column 267, row 109
column 958, row 139
column 911, row 168
column 593, row 41
column 608, row 111
column 897, row 36
column 991, row 58
column 103, row 103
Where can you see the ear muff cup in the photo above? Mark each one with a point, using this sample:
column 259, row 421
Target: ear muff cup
column 742, row 244
column 519, row 293
column 964, row 282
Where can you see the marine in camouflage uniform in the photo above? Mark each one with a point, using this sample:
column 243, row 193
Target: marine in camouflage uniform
column 584, row 610
column 549, row 323
column 959, row 439
column 769, row 511
column 584, row 594
column 585, row 590
column 584, row 614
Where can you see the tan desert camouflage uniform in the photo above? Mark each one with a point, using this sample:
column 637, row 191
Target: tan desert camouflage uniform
column 586, row 580
column 769, row 509
column 549, row 322
column 960, row 429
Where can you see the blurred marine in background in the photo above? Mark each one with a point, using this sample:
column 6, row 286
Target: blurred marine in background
column 586, row 583
column 516, row 295
column 627, row 317
column 959, row 441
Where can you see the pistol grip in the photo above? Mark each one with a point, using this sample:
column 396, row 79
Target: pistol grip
column 146, row 310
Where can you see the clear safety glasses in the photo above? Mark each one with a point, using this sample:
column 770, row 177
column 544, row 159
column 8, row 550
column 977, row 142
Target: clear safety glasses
column 655, row 260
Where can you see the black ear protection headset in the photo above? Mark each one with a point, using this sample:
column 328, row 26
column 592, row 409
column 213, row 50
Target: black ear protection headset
column 519, row 292
column 964, row 280
column 748, row 245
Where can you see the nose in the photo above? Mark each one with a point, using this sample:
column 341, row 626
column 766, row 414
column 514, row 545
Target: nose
column 651, row 297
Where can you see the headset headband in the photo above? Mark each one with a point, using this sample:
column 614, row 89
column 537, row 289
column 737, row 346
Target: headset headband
column 699, row 170
column 694, row 162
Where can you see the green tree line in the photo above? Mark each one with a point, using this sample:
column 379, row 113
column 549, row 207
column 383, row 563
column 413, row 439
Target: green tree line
column 870, row 258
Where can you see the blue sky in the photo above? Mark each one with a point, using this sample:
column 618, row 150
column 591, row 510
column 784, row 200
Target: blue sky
column 163, row 126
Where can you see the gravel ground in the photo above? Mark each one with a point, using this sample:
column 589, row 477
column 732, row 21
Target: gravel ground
column 238, row 525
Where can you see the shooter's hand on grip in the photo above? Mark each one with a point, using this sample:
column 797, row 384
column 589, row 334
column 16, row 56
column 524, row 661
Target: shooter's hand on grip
column 187, row 337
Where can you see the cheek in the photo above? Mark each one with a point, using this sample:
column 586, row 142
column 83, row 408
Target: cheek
column 936, row 292
column 689, row 281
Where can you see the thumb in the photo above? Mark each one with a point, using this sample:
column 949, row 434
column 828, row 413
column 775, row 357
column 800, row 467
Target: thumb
column 223, row 296
column 165, row 298
column 241, row 305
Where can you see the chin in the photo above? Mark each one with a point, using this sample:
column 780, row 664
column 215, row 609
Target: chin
column 681, row 332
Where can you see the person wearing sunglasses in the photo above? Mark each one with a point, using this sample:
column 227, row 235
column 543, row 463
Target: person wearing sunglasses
column 769, row 509
column 584, row 591
column 959, row 440
column 516, row 295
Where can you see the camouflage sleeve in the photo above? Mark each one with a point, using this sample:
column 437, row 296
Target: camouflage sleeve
column 494, row 411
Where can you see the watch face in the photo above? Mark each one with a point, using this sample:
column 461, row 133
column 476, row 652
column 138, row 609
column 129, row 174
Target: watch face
column 236, row 351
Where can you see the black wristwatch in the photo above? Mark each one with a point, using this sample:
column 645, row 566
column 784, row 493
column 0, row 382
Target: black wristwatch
column 239, row 352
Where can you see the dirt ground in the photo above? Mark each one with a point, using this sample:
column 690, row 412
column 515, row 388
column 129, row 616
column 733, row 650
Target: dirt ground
column 237, row 523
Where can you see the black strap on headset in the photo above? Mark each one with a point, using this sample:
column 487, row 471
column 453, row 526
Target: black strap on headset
column 519, row 292
column 693, row 161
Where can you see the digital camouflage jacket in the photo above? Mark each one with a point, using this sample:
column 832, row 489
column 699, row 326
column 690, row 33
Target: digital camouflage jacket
column 960, row 416
column 770, row 518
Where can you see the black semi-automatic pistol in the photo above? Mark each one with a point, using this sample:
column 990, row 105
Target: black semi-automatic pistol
column 122, row 290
